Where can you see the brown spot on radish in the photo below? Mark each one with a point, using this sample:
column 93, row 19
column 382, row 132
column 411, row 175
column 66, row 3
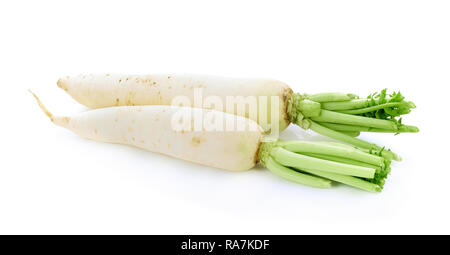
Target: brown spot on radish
column 107, row 74
column 117, row 101
column 168, row 77
column 195, row 141
column 256, row 156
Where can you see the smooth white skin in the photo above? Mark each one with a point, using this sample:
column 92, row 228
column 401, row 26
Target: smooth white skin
column 104, row 90
column 150, row 128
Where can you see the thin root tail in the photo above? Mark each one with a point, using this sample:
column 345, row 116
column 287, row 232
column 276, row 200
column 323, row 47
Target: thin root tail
column 60, row 121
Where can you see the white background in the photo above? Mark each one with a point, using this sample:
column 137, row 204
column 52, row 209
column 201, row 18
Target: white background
column 54, row 182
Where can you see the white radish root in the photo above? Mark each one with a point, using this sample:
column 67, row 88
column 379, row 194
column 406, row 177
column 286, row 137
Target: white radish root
column 105, row 90
column 151, row 128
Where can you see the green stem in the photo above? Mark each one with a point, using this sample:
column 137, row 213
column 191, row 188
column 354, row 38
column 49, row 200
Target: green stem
column 294, row 176
column 331, row 150
column 342, row 127
column 349, row 128
column 401, row 129
column 351, row 133
column 345, row 179
column 348, row 119
column 357, row 104
column 350, row 140
column 347, row 105
column 389, row 155
column 341, row 137
column 343, row 160
column 292, row 159
column 371, row 109
column 330, row 97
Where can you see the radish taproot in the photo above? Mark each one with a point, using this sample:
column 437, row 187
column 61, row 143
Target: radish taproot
column 98, row 91
column 159, row 128
column 336, row 115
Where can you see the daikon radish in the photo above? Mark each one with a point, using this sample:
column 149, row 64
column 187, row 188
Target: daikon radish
column 186, row 133
column 150, row 128
column 98, row 91
column 336, row 115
